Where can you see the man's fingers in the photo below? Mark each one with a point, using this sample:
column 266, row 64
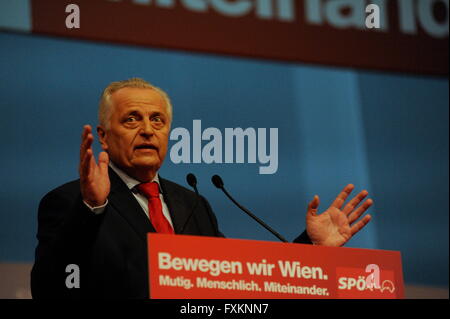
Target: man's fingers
column 86, row 144
column 85, row 157
column 357, row 213
column 103, row 161
column 360, row 225
column 86, row 130
column 339, row 201
column 313, row 205
column 86, row 164
column 355, row 202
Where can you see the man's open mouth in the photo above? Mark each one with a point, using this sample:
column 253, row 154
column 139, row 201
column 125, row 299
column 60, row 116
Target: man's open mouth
column 146, row 147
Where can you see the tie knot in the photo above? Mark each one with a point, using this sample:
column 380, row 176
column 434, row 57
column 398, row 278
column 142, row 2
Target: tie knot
column 150, row 190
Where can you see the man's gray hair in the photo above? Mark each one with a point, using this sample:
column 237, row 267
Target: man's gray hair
column 105, row 105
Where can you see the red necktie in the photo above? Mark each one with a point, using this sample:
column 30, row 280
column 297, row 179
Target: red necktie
column 155, row 212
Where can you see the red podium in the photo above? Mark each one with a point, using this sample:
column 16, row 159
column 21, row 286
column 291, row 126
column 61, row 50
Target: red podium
column 193, row 267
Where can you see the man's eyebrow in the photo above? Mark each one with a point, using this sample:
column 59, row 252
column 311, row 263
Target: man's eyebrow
column 131, row 112
column 139, row 112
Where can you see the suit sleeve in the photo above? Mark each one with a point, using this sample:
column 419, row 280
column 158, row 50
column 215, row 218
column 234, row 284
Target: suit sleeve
column 66, row 230
column 303, row 239
column 212, row 218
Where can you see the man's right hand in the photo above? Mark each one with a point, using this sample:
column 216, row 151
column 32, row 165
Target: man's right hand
column 94, row 179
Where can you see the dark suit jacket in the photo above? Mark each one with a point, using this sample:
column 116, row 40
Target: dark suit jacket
column 110, row 249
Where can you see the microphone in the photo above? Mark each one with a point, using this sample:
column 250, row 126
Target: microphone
column 218, row 182
column 192, row 181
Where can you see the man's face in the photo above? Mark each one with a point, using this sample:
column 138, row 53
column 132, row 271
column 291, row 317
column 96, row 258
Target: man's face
column 137, row 137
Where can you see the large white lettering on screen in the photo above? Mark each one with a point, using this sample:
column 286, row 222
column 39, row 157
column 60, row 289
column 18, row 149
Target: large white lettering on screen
column 232, row 146
column 340, row 14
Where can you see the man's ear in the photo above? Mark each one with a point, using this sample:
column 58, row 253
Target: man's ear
column 102, row 137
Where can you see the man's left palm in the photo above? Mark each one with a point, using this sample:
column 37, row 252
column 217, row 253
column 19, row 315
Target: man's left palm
column 336, row 226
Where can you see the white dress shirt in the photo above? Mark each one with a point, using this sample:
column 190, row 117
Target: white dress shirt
column 132, row 186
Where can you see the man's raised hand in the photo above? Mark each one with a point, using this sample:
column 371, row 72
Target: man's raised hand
column 94, row 179
column 336, row 226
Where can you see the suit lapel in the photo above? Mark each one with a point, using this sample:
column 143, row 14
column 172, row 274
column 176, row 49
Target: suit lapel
column 127, row 206
column 177, row 209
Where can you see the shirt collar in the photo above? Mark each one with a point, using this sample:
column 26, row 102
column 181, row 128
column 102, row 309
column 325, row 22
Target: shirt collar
column 128, row 180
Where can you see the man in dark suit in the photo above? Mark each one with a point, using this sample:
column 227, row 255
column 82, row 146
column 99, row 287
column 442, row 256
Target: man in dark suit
column 99, row 222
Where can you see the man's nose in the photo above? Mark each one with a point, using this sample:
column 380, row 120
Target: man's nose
column 147, row 128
